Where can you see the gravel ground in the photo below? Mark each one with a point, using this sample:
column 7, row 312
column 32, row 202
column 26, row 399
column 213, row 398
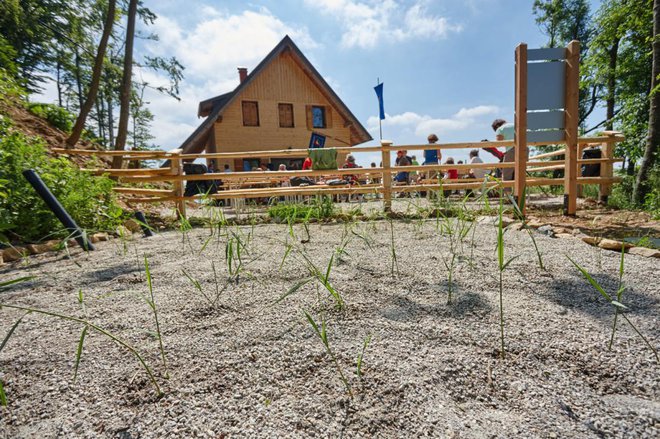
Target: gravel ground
column 255, row 368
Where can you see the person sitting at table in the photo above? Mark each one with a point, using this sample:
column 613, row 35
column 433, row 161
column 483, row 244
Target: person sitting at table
column 350, row 163
column 285, row 180
column 402, row 160
column 432, row 156
column 307, row 164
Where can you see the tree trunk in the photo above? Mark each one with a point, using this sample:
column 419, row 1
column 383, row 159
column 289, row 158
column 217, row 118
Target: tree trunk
column 111, row 121
column 611, row 84
column 79, row 80
column 96, row 78
column 653, row 139
column 125, row 93
column 100, row 111
column 59, row 82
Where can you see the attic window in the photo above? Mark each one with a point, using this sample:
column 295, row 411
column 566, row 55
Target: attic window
column 318, row 117
column 250, row 114
column 286, row 115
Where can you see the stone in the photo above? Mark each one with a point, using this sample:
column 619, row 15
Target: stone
column 53, row 245
column 123, row 231
column 546, row 230
column 591, row 240
column 564, row 235
column 36, row 249
column 535, row 223
column 558, row 230
column 14, row 253
column 611, row 244
column 646, row 252
column 132, row 225
column 515, row 226
column 2, row 261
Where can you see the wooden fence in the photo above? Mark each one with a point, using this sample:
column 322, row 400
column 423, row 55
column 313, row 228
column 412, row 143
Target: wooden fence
column 240, row 185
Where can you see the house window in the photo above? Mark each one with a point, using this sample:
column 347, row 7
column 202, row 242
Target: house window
column 286, row 115
column 250, row 114
column 318, row 117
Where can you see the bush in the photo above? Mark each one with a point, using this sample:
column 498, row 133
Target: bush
column 55, row 115
column 317, row 208
column 90, row 200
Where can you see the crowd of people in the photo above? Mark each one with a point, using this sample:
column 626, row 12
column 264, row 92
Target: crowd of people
column 503, row 131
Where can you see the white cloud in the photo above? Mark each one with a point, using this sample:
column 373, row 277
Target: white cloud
column 422, row 125
column 210, row 51
column 367, row 22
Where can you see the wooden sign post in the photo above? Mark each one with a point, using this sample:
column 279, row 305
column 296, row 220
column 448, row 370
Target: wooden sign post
column 571, row 110
column 520, row 138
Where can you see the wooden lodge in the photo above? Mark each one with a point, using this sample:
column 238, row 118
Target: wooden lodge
column 276, row 106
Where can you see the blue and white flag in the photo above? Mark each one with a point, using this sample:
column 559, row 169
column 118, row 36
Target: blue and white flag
column 381, row 106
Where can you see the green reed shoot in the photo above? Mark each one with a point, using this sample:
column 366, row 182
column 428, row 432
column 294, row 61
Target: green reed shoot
column 212, row 300
column 94, row 327
column 501, row 265
column 151, row 301
column 83, row 334
column 394, row 262
column 618, row 306
column 322, row 332
column 520, row 216
column 360, row 358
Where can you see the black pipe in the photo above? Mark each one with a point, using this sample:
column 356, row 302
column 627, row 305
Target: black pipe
column 59, row 211
column 143, row 223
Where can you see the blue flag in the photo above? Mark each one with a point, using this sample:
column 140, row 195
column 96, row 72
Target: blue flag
column 381, row 106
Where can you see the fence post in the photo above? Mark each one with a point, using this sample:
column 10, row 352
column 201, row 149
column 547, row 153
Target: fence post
column 571, row 112
column 607, row 168
column 387, row 175
column 176, row 163
column 520, row 178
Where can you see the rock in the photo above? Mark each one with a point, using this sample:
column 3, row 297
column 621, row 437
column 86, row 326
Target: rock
column 14, row 253
column 515, row 226
column 123, row 231
column 101, row 236
column 558, row 230
column 2, row 261
column 534, row 223
column 546, row 230
column 611, row 244
column 36, row 249
column 132, row 225
column 53, row 245
column 591, row 240
column 646, row 252
column 564, row 235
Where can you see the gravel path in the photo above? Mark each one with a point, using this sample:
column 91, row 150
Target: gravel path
column 255, row 368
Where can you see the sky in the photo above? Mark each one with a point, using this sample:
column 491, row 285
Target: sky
column 447, row 66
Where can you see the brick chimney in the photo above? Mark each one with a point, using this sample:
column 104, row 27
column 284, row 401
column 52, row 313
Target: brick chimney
column 242, row 73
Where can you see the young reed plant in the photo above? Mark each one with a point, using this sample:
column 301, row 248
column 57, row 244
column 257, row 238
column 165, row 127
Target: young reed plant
column 394, row 264
column 322, row 333
column 151, row 301
column 321, row 278
column 360, row 358
column 501, row 265
column 86, row 325
column 211, row 299
column 619, row 308
column 518, row 212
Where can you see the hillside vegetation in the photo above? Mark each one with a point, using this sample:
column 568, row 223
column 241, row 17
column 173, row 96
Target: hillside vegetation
column 25, row 141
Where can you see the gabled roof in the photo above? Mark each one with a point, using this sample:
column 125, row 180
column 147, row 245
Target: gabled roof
column 214, row 107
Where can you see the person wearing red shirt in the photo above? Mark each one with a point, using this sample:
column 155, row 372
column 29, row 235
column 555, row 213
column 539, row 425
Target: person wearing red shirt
column 307, row 164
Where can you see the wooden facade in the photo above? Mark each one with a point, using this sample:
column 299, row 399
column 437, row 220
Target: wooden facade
column 278, row 106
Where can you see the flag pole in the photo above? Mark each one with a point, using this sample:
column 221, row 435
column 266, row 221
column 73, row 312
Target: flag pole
column 380, row 121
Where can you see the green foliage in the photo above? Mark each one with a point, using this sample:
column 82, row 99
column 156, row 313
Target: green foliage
column 621, row 197
column 319, row 208
column 88, row 199
column 55, row 115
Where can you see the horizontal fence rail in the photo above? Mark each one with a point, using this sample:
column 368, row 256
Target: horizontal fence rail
column 239, row 185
